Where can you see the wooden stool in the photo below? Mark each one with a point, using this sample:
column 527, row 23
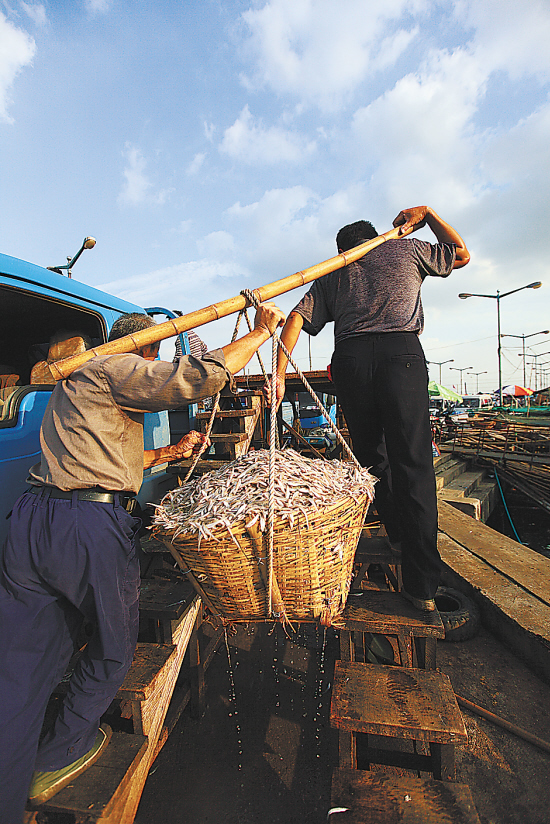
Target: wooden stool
column 395, row 702
column 379, row 798
column 390, row 614
column 377, row 550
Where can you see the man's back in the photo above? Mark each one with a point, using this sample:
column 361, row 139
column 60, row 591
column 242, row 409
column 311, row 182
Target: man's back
column 379, row 293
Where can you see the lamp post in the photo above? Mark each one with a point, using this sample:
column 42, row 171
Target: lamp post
column 477, row 374
column 456, row 369
column 540, row 355
column 440, row 364
column 523, row 337
column 498, row 297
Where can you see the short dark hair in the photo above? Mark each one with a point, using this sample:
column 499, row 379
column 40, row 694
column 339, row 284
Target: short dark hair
column 129, row 323
column 354, row 234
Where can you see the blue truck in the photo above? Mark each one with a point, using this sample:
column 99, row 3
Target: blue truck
column 36, row 304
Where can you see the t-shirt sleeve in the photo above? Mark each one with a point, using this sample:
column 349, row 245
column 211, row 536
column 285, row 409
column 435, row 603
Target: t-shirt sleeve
column 314, row 309
column 436, row 259
column 151, row 386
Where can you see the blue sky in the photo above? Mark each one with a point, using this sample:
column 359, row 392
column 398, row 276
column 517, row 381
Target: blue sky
column 213, row 146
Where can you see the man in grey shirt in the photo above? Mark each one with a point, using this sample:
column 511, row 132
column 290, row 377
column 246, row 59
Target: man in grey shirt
column 381, row 378
column 70, row 555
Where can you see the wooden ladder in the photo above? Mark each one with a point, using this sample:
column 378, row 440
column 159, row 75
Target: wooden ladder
column 238, row 425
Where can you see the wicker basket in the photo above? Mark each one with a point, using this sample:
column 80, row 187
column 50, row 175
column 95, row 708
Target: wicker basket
column 312, row 565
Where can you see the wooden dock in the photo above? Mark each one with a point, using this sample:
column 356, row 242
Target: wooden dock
column 509, row 582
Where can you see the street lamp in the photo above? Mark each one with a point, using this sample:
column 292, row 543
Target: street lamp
column 523, row 337
column 540, row 355
column 477, row 374
column 456, row 369
column 498, row 297
column 440, row 364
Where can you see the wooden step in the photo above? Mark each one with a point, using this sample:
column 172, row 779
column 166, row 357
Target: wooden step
column 98, row 794
column 451, row 470
column 163, row 602
column 377, row 550
column 226, row 414
column 388, row 613
column 380, row 798
column 397, row 703
column 204, row 465
column 228, row 437
column 466, row 482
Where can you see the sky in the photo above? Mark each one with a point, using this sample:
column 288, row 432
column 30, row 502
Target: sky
column 214, row 146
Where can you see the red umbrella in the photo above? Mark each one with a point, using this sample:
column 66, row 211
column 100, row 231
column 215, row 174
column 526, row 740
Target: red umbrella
column 516, row 391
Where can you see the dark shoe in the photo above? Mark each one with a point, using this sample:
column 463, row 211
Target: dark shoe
column 46, row 784
column 423, row 604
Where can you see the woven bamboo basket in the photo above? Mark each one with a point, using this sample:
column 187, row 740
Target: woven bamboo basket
column 312, row 565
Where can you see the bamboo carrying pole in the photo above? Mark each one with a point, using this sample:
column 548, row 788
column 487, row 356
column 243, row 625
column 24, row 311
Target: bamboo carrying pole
column 170, row 328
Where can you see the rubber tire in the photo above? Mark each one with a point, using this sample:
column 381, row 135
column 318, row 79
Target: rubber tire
column 459, row 614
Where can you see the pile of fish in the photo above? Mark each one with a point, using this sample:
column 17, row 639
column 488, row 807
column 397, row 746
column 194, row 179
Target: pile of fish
column 239, row 493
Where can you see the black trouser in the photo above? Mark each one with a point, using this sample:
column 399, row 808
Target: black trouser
column 382, row 386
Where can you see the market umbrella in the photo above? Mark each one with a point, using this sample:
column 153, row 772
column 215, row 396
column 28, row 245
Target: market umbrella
column 442, row 392
column 516, row 391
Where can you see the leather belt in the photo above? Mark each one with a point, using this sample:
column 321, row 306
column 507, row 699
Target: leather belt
column 126, row 499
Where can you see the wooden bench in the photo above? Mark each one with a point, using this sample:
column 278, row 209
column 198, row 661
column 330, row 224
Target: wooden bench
column 380, row 798
column 396, row 703
column 388, row 613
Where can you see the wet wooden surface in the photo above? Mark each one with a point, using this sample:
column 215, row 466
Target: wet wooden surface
column 396, row 702
column 382, row 798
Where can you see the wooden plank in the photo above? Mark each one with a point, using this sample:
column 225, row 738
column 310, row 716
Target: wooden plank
column 154, row 713
column 494, row 454
column 396, row 702
column 99, row 790
column 381, row 798
column 229, row 437
column 518, row 618
column 527, row 568
column 388, row 613
column 161, row 598
column 227, row 413
column 147, row 669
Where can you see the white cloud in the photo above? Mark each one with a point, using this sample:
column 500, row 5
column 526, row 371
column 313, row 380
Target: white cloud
column 217, row 245
column 249, row 141
column 97, row 6
column 320, row 50
column 196, row 164
column 137, row 188
column 508, row 35
column 17, row 50
column 36, row 11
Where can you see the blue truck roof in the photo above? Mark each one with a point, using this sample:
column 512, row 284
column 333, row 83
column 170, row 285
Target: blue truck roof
column 42, row 281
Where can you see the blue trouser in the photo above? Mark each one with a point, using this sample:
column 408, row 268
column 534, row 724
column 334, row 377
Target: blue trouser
column 382, row 385
column 65, row 562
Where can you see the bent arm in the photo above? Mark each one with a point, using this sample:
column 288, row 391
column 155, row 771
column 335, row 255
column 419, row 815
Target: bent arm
column 419, row 216
column 289, row 336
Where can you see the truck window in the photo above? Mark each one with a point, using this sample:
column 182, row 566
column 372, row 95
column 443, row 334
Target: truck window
column 29, row 324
